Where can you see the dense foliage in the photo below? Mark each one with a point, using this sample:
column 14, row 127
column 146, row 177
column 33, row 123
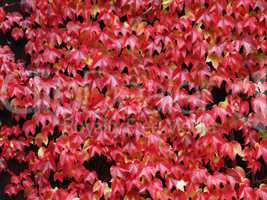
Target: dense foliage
column 133, row 99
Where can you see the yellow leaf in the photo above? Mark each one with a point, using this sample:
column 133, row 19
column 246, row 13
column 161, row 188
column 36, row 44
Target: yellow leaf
column 213, row 59
column 238, row 150
column 96, row 186
column 216, row 158
column 126, row 25
column 54, row 189
column 189, row 15
column 42, row 137
column 165, row 190
column 224, row 103
column 173, row 66
column 107, row 190
column 95, row 197
column 89, row 61
column 166, row 3
column 113, row 2
column 139, row 27
column 40, row 152
column 263, row 134
column 205, row 189
column 180, row 184
column 201, row 129
column 94, row 10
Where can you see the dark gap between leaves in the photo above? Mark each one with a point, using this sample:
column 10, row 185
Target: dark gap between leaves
column 4, row 180
column 17, row 166
column 56, row 183
column 219, row 93
column 101, row 165
column 16, row 46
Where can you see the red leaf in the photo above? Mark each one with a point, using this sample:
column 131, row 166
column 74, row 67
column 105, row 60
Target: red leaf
column 166, row 104
column 261, row 150
column 216, row 180
column 17, row 33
